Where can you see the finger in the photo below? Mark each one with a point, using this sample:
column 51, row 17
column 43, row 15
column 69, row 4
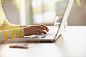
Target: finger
column 45, row 27
column 40, row 27
column 43, row 32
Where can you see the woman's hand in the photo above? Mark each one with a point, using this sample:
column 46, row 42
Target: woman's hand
column 38, row 30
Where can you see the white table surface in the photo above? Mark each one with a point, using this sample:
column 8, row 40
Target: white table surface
column 72, row 43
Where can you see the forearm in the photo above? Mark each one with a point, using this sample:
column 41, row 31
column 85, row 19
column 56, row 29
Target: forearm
column 6, row 26
column 7, row 34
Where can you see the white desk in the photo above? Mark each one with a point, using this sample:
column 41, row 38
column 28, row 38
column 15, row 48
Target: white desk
column 70, row 44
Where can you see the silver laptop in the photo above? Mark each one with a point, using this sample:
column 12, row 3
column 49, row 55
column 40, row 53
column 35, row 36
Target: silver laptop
column 54, row 32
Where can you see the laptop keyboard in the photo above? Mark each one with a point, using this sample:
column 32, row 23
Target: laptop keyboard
column 43, row 36
column 48, row 35
column 39, row 36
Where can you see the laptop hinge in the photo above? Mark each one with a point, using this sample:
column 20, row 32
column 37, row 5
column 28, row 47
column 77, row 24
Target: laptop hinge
column 57, row 38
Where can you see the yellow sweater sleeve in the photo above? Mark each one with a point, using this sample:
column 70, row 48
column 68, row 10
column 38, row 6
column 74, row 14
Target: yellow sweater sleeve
column 8, row 30
column 6, row 25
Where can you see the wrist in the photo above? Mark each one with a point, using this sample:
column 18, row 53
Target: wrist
column 25, row 31
column 22, row 32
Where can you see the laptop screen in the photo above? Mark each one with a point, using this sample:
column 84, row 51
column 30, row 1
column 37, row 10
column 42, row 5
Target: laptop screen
column 60, row 9
column 64, row 18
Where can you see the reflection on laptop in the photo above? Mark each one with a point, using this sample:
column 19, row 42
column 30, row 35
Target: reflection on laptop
column 54, row 32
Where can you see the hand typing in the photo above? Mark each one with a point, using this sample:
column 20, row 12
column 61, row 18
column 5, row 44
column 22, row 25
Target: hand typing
column 37, row 29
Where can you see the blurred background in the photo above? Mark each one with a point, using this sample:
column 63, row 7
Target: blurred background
column 33, row 12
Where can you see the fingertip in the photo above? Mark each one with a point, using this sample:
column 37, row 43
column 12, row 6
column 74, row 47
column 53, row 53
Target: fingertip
column 44, row 32
column 47, row 30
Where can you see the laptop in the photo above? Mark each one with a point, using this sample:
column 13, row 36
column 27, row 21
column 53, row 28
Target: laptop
column 54, row 32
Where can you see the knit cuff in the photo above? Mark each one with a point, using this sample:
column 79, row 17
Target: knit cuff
column 22, row 31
